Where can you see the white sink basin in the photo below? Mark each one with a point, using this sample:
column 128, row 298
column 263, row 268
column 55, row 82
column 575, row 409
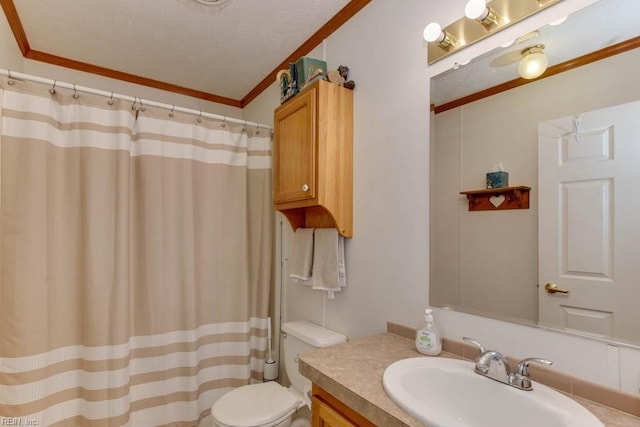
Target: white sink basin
column 444, row 392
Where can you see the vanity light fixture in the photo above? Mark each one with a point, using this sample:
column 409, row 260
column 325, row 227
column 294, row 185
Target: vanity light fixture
column 433, row 33
column 478, row 10
column 533, row 63
column 444, row 41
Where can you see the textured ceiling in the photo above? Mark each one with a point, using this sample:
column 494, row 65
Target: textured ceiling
column 602, row 24
column 224, row 50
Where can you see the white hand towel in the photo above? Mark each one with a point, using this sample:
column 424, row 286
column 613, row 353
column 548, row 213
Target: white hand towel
column 328, row 273
column 302, row 255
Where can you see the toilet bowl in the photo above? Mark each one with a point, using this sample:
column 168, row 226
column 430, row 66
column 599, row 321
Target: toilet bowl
column 269, row 404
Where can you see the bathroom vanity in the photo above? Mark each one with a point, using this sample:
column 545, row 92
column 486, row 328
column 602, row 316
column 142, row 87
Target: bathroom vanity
column 348, row 390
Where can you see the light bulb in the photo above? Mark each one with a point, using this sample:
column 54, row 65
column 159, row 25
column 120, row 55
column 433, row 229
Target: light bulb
column 433, row 32
column 533, row 64
column 476, row 9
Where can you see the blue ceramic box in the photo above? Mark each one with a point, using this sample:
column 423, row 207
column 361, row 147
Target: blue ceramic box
column 309, row 69
column 497, row 179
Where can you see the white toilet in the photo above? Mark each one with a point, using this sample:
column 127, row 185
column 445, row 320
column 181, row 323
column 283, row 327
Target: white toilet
column 269, row 404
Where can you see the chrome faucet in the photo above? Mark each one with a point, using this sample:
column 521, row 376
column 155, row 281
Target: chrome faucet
column 493, row 364
column 520, row 378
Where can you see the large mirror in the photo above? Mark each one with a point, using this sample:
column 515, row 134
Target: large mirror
column 492, row 263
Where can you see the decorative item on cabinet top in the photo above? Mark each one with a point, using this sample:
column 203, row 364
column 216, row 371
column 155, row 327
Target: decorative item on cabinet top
column 304, row 72
column 300, row 74
column 341, row 77
column 313, row 158
column 494, row 199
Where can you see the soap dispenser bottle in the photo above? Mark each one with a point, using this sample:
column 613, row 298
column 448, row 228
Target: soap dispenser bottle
column 428, row 339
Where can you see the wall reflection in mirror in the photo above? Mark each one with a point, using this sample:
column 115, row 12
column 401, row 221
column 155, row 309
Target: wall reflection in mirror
column 578, row 232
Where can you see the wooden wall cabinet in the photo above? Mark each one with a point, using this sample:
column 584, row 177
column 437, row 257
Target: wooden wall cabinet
column 313, row 158
column 327, row 411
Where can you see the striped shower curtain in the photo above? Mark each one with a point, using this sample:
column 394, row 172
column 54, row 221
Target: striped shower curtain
column 135, row 260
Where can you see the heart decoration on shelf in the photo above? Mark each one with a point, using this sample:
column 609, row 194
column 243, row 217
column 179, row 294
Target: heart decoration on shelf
column 497, row 200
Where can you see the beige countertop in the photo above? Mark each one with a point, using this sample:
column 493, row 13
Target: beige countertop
column 352, row 372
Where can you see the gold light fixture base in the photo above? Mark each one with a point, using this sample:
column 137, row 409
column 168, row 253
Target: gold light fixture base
column 468, row 31
column 532, row 49
column 492, row 18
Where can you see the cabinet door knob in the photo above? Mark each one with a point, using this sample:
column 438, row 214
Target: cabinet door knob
column 305, row 187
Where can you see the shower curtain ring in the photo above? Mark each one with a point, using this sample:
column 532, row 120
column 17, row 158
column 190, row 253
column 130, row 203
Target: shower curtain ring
column 134, row 107
column 171, row 112
column 200, row 117
column 110, row 101
column 10, row 82
column 141, row 106
column 224, row 122
column 52, row 91
column 75, row 93
column 244, row 128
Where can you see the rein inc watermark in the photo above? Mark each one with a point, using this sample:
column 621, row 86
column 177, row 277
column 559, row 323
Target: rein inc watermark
column 18, row 421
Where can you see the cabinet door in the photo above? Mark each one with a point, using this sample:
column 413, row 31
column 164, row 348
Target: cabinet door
column 294, row 154
column 325, row 416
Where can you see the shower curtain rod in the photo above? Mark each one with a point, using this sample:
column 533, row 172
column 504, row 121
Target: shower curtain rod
column 12, row 75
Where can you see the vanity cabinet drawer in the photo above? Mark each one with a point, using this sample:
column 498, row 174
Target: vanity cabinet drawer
column 327, row 411
column 325, row 416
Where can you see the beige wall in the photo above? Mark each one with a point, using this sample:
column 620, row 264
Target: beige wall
column 487, row 261
column 387, row 259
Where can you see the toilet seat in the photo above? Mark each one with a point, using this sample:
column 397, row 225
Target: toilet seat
column 266, row 404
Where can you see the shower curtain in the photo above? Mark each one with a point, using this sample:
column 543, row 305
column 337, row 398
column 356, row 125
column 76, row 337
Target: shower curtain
column 135, row 260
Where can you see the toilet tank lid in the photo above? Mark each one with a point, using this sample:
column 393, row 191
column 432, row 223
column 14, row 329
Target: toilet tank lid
column 313, row 334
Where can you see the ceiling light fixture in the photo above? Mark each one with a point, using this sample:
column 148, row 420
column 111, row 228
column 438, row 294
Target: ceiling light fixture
column 534, row 62
column 478, row 10
column 433, row 33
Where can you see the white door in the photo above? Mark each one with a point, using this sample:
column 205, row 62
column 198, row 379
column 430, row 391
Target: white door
column 589, row 221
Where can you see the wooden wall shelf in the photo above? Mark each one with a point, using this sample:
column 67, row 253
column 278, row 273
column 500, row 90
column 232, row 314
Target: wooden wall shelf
column 495, row 199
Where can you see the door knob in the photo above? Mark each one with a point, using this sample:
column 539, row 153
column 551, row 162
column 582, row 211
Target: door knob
column 305, row 187
column 552, row 288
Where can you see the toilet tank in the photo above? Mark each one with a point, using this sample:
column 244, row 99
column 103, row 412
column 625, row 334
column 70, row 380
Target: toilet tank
column 303, row 336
